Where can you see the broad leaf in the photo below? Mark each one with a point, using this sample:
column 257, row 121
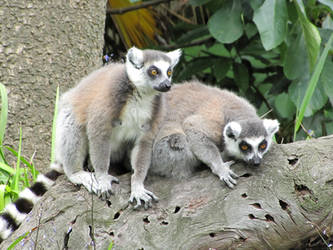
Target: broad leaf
column 311, row 34
column 326, row 78
column 329, row 3
column 255, row 4
column 284, row 105
column 296, row 59
column 328, row 23
column 297, row 91
column 194, row 67
column 271, row 20
column 221, row 67
column 200, row 32
column 225, row 25
column 241, row 74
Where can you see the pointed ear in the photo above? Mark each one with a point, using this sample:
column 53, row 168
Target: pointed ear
column 232, row 130
column 135, row 57
column 271, row 126
column 174, row 56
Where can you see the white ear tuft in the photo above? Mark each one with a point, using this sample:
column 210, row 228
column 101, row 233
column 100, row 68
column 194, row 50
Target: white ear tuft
column 135, row 57
column 271, row 126
column 232, row 130
column 174, row 56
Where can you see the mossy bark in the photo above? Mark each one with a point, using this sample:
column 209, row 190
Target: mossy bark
column 44, row 44
column 279, row 205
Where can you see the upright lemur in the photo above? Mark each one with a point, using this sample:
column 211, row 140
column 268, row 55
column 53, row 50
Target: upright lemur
column 201, row 123
column 114, row 108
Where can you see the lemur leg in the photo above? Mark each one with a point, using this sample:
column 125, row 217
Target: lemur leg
column 171, row 153
column 200, row 134
column 71, row 150
column 99, row 138
column 140, row 160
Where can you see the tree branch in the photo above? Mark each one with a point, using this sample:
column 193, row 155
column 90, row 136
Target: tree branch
column 136, row 7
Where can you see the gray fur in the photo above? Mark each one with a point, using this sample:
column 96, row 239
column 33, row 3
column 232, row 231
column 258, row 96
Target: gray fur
column 252, row 128
column 109, row 111
column 193, row 131
column 153, row 56
column 112, row 110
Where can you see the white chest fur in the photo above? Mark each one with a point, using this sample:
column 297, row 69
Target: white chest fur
column 134, row 121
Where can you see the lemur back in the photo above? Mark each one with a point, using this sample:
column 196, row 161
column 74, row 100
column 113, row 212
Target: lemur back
column 113, row 108
column 204, row 121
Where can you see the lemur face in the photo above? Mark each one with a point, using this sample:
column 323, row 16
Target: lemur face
column 249, row 140
column 151, row 70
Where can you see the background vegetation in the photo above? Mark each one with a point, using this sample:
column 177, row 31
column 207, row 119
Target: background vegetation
column 265, row 50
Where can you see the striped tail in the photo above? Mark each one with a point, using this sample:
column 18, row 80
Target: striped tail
column 15, row 213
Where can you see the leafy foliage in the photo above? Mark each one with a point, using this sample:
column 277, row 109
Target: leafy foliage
column 267, row 51
column 12, row 179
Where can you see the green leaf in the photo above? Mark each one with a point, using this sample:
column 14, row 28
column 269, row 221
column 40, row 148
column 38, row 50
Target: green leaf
column 198, row 2
column 110, row 245
column 15, row 184
column 193, row 34
column 195, row 66
column 295, row 62
column 226, row 25
column 7, row 168
column 250, row 30
column 284, row 105
column 311, row 34
column 298, row 93
column 329, row 3
column 328, row 23
column 255, row 4
column 312, row 84
column 326, row 78
column 221, row 67
column 271, row 20
column 219, row 50
column 18, row 240
column 241, row 76
column 2, row 196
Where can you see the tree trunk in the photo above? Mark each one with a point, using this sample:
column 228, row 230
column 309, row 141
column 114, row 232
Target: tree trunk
column 279, row 205
column 44, row 44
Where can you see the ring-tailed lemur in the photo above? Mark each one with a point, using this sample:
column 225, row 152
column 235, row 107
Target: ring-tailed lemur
column 203, row 122
column 113, row 108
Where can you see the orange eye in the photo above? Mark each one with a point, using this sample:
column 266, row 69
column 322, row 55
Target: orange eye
column 244, row 147
column 169, row 72
column 153, row 72
column 263, row 146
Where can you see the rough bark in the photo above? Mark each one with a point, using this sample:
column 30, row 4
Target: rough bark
column 276, row 206
column 44, row 44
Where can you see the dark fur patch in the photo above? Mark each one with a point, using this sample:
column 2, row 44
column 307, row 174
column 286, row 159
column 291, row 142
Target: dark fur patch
column 123, row 91
column 52, row 175
column 10, row 221
column 23, row 205
column 38, row 189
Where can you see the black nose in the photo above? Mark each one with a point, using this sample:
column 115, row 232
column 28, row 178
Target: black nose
column 164, row 86
column 255, row 161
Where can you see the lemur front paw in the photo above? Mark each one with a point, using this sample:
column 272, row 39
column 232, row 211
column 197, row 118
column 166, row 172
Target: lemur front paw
column 139, row 194
column 105, row 186
column 227, row 175
column 177, row 141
